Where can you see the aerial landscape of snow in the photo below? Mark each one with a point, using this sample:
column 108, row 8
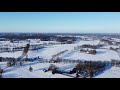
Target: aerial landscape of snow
column 59, row 45
column 23, row 72
column 49, row 49
column 101, row 55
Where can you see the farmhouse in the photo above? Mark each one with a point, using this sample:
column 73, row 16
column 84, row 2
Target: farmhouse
column 106, row 42
column 88, row 51
column 86, row 48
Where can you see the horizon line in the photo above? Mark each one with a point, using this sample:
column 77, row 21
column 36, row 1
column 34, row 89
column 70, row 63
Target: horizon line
column 68, row 32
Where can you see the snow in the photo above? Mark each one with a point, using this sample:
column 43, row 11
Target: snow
column 23, row 71
column 113, row 46
column 102, row 55
column 116, row 39
column 93, row 42
column 2, row 65
column 44, row 52
column 114, row 72
column 49, row 50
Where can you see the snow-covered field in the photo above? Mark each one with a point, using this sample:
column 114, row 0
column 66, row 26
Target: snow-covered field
column 102, row 55
column 113, row 72
column 48, row 51
column 23, row 71
column 44, row 52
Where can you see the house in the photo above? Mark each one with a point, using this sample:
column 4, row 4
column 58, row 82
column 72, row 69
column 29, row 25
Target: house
column 86, row 48
column 106, row 42
column 88, row 51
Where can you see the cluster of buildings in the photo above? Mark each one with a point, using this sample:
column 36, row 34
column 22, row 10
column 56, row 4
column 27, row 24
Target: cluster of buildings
column 86, row 48
column 110, row 41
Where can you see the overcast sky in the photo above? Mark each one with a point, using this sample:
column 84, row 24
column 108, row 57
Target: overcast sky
column 74, row 22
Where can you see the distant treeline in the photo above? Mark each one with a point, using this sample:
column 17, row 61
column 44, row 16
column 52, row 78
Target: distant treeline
column 23, row 36
column 43, row 37
column 48, row 36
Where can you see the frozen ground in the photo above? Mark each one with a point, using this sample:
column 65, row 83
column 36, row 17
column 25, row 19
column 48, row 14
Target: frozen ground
column 48, row 51
column 44, row 52
column 102, row 55
column 114, row 72
column 107, row 47
column 23, row 72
